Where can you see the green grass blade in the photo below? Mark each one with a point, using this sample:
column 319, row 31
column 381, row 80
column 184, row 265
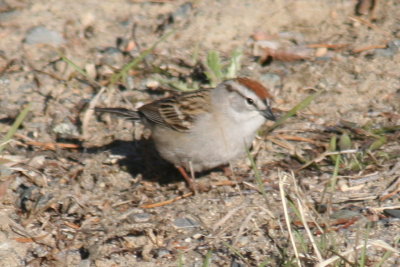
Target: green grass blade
column 332, row 147
column 179, row 85
column 257, row 174
column 235, row 251
column 15, row 126
column 387, row 254
column 378, row 143
column 180, row 260
column 123, row 73
column 301, row 242
column 215, row 67
column 384, row 258
column 207, row 260
column 363, row 256
column 74, row 66
column 80, row 70
column 234, row 65
column 335, row 173
column 264, row 263
column 302, row 105
column 388, row 129
column 345, row 142
column 332, row 184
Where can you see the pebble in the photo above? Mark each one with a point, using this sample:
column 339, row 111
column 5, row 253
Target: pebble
column 3, row 6
column 299, row 37
column 135, row 241
column 66, row 128
column 42, row 35
column 186, row 223
column 37, row 161
column 69, row 257
column 163, row 253
column 9, row 15
column 4, row 171
column 271, row 80
column 237, row 264
column 345, row 214
column 111, row 56
column 390, row 51
column 85, row 263
column 243, row 241
column 393, row 212
column 140, row 217
column 130, row 83
column 151, row 83
column 182, row 11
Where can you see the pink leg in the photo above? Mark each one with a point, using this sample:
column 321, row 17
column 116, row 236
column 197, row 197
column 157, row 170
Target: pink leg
column 190, row 180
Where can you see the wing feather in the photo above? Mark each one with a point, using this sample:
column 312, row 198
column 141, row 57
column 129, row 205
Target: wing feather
column 177, row 112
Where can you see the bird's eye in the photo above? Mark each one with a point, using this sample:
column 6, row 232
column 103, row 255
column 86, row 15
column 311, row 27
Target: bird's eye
column 250, row 101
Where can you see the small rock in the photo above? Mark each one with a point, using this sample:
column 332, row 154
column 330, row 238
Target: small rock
column 91, row 70
column 84, row 263
column 393, row 212
column 9, row 15
column 321, row 52
column 43, row 201
column 151, row 83
column 130, row 82
column 135, row 241
column 111, row 56
column 4, row 81
column 182, row 11
column 185, row 223
column 163, row 252
column 395, row 42
column 237, row 264
column 243, row 242
column 271, row 80
column 37, row 161
column 392, row 48
column 297, row 36
column 40, row 251
column 345, row 214
column 7, row 12
column 197, row 236
column 140, row 217
column 42, row 35
column 4, row 171
column 385, row 52
column 66, row 129
column 27, row 88
column 3, row 6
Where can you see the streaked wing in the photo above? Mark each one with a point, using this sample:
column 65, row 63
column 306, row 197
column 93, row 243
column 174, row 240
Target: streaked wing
column 123, row 112
column 178, row 112
column 151, row 113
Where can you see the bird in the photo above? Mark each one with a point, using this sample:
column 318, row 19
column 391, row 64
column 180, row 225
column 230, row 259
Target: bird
column 207, row 128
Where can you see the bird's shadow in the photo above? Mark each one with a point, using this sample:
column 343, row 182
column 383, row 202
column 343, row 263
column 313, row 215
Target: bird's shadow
column 140, row 157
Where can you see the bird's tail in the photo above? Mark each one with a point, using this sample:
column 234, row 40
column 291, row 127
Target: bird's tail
column 123, row 112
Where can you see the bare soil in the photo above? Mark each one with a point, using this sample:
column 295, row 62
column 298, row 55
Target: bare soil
column 77, row 188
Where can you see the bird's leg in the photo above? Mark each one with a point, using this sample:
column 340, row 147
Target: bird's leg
column 189, row 179
column 191, row 171
column 227, row 169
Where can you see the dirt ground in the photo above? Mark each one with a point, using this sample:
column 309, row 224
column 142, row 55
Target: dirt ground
column 82, row 189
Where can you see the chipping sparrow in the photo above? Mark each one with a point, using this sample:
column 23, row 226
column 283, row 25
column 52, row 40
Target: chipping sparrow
column 207, row 128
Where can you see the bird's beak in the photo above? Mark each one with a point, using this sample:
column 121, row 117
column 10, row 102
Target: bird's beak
column 267, row 113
